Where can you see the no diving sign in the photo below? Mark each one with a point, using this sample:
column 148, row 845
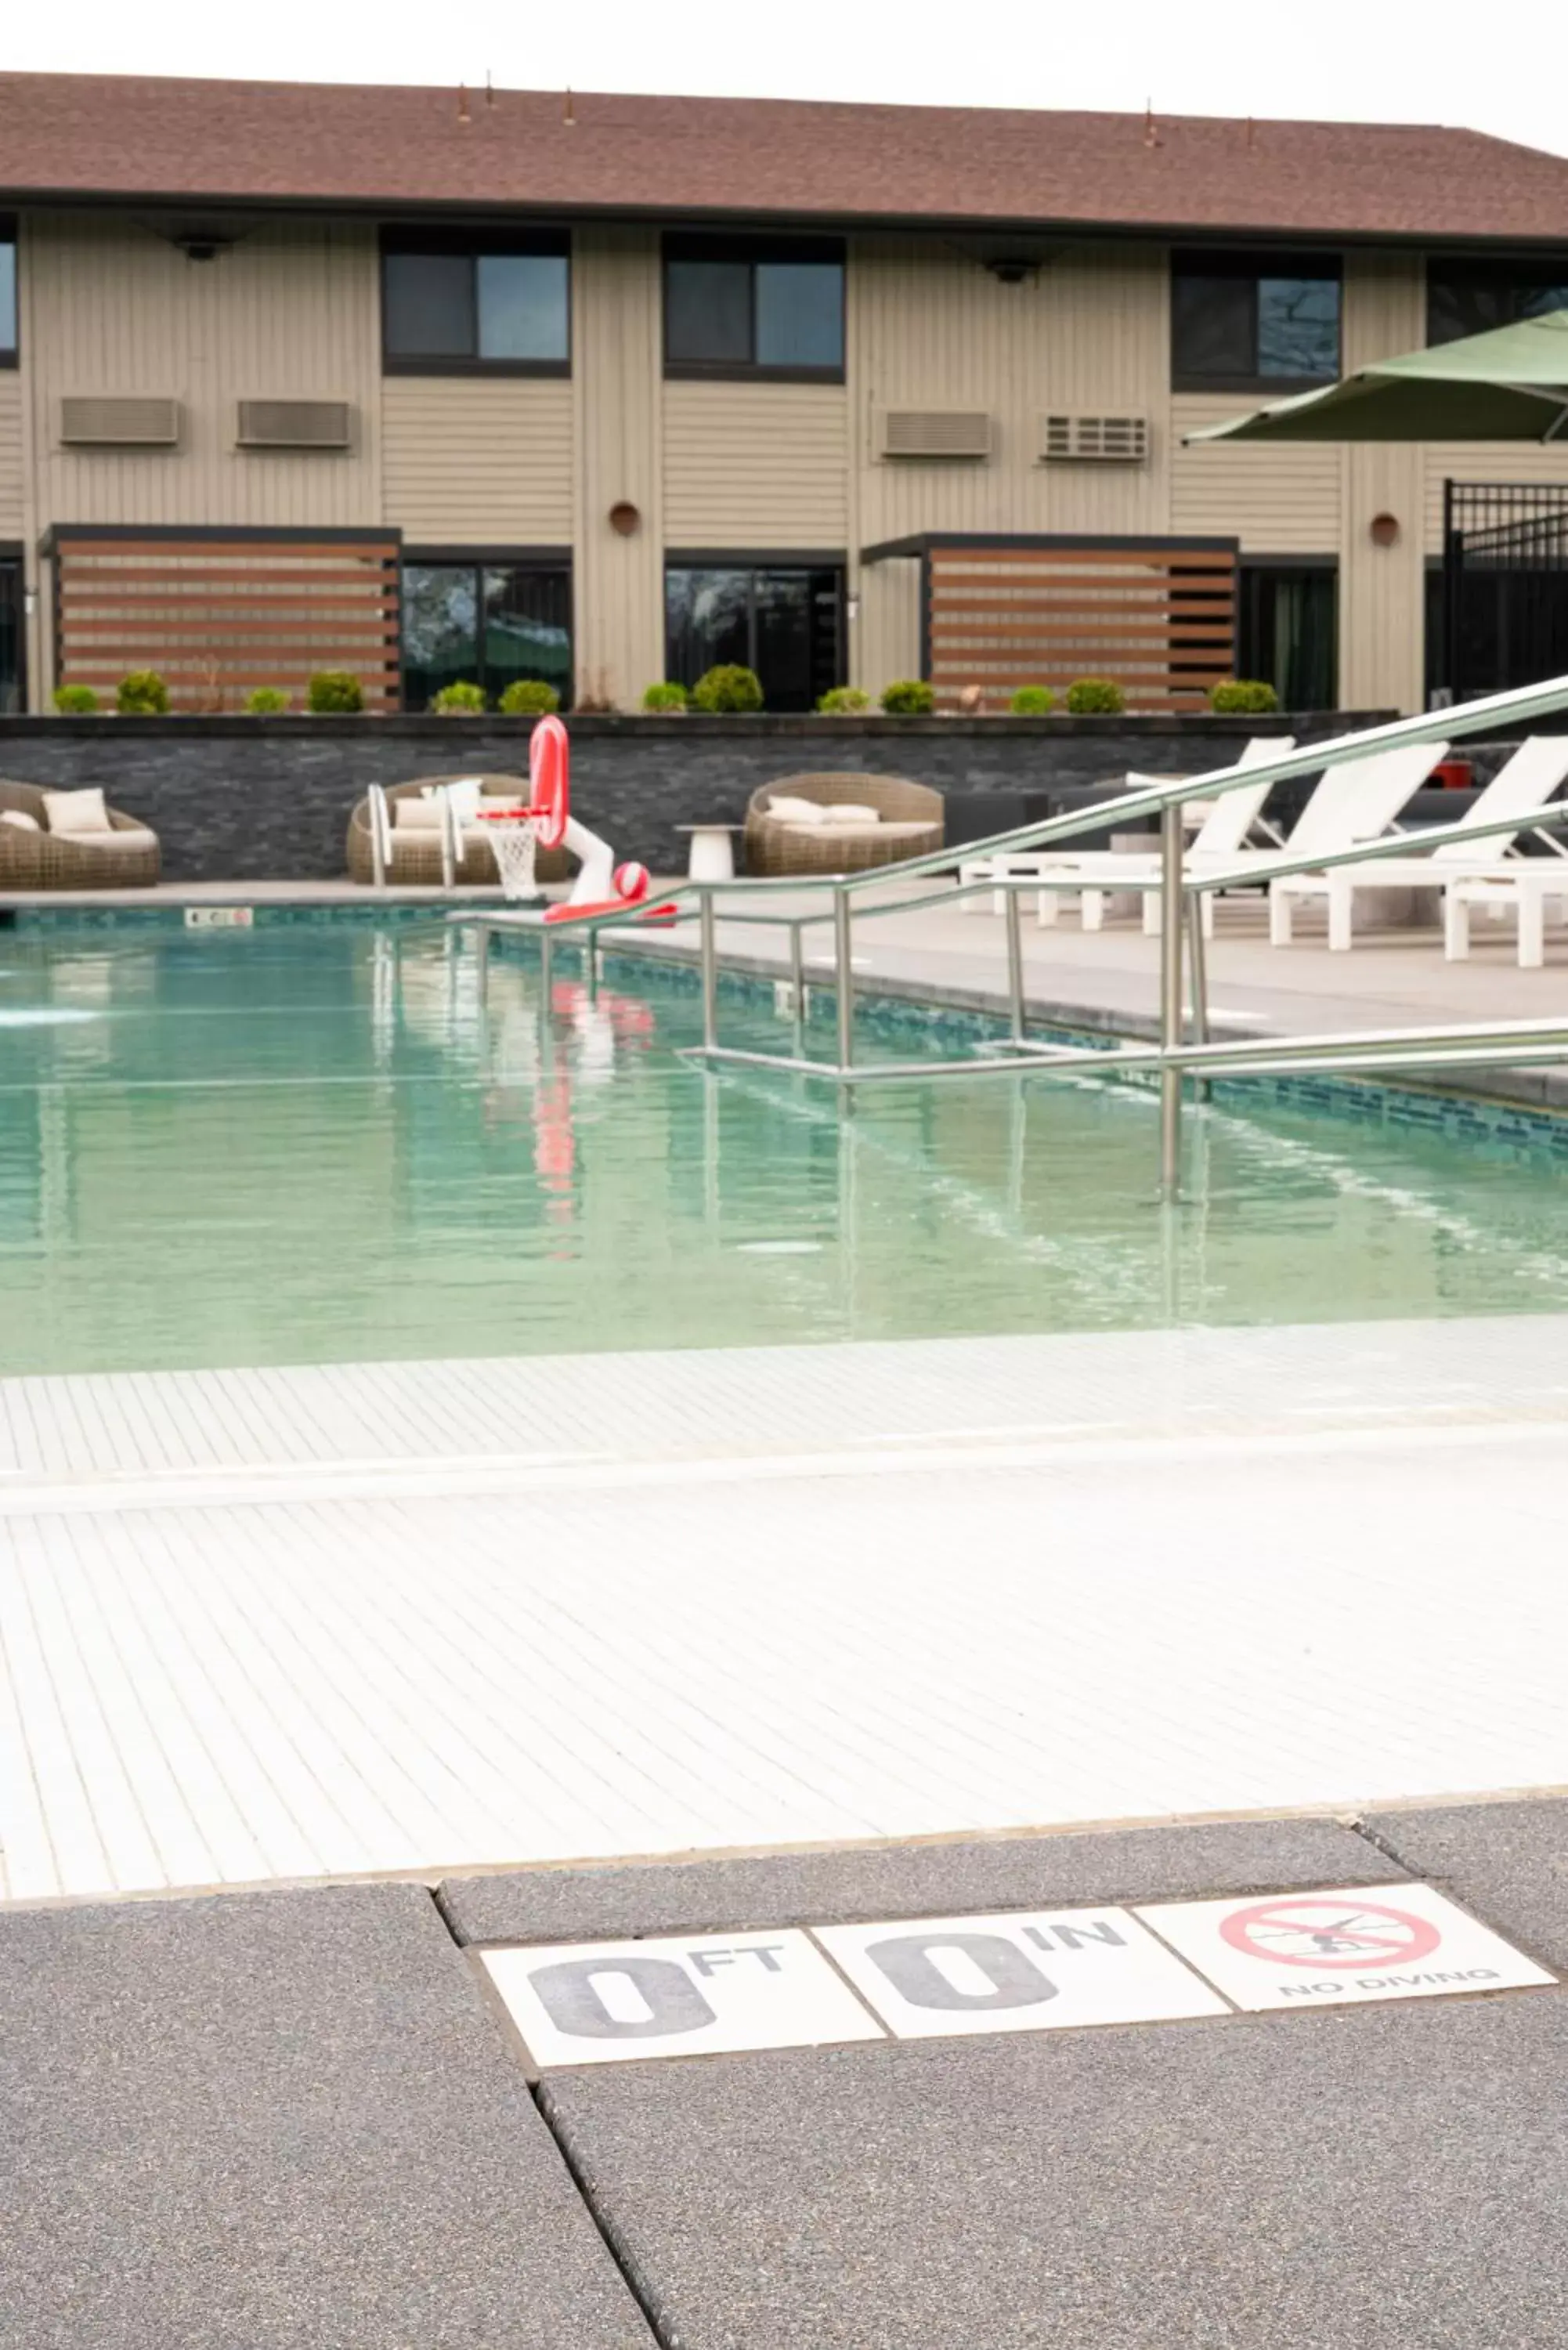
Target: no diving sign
column 1306, row 1949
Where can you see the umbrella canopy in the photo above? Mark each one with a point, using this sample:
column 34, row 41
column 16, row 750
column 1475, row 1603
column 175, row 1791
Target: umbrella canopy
column 1508, row 385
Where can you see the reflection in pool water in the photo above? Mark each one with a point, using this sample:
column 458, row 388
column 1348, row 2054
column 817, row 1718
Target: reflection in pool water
column 313, row 1142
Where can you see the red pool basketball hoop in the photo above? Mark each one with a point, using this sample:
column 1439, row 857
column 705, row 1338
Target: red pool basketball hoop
column 549, row 778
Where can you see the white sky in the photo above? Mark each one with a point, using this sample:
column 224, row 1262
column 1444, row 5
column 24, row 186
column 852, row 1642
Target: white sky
column 1497, row 68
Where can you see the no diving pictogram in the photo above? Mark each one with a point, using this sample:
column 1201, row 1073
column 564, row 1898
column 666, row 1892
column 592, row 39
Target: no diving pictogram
column 1314, row 1932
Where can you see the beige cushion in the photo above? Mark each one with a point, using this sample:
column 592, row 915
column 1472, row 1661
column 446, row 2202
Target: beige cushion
column 850, row 831
column 73, row 812
column 851, row 812
column 20, row 819
column 416, row 815
column 464, row 793
column 796, row 811
column 129, row 835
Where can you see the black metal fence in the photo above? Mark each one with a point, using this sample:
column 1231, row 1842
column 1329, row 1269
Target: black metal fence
column 1504, row 588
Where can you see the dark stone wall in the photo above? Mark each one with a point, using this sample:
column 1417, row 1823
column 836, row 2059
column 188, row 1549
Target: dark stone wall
column 268, row 799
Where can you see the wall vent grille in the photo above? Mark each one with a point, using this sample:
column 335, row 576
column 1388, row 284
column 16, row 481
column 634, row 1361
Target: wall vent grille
column 934, row 433
column 1098, row 440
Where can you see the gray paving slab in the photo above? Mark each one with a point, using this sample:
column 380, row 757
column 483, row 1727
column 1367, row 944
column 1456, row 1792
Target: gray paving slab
column 1158, row 1864
column 280, row 2120
column 1377, row 2179
column 1508, row 1862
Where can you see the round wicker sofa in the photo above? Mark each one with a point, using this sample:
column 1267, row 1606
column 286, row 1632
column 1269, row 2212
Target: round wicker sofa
column 911, row 823
column 126, row 856
column 416, row 856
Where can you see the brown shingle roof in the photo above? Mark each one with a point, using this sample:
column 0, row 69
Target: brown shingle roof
column 90, row 134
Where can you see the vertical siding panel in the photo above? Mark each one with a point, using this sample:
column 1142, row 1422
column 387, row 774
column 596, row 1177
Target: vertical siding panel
column 619, row 581
column 1382, row 588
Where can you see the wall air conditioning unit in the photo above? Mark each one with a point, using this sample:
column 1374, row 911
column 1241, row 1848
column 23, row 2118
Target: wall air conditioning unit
column 933, row 433
column 94, row 422
column 294, row 424
column 1097, row 440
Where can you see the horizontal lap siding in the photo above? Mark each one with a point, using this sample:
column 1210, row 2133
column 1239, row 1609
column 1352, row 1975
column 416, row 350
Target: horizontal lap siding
column 756, row 466
column 476, row 463
column 1484, row 460
column 11, row 499
column 1276, row 501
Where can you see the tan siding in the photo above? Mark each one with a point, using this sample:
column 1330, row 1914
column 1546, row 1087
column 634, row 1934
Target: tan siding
column 930, row 328
column 619, row 581
column 755, row 464
column 12, row 470
column 1484, row 460
column 290, row 309
column 482, row 464
column 1281, row 500
column 1382, row 588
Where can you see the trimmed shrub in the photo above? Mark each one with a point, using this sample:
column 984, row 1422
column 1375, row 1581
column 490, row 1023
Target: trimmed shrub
column 461, row 700
column 909, row 697
column 142, row 694
column 1032, row 702
column 667, row 697
column 844, row 701
column 529, row 697
column 728, row 688
column 265, row 701
column 75, row 701
column 335, row 693
column 1243, row 697
column 1095, row 697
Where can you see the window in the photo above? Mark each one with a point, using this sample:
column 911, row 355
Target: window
column 1253, row 322
column 770, row 308
column 781, row 619
column 7, row 293
column 1288, row 631
column 12, row 644
column 451, row 304
column 1467, row 293
column 485, row 624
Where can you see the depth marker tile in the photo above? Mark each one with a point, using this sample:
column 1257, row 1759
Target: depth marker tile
column 1324, row 1949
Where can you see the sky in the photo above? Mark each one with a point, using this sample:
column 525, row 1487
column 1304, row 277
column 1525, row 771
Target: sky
column 1498, row 69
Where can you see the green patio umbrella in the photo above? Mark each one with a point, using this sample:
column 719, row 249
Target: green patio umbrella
column 1508, row 385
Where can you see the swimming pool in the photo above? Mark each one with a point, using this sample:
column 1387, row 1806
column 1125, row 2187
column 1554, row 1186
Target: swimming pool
column 311, row 1142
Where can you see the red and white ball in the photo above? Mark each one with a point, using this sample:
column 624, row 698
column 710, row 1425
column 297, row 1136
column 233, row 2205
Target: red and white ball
column 632, row 881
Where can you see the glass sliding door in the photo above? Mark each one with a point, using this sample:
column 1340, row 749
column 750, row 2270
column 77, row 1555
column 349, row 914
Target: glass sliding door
column 1288, row 632
column 781, row 619
column 13, row 642
column 485, row 624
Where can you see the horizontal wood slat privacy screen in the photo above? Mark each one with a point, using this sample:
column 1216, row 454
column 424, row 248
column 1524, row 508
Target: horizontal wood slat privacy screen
column 217, row 615
column 1160, row 618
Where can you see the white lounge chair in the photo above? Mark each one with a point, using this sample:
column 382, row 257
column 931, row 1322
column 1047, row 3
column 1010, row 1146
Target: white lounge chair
column 1227, row 821
column 1520, row 787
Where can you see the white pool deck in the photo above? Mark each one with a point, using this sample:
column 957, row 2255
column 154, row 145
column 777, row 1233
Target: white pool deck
column 419, row 1618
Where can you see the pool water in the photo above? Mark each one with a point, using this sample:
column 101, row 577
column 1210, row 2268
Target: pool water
column 308, row 1143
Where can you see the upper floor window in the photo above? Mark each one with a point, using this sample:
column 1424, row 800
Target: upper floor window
column 453, row 303
column 753, row 307
column 7, row 293
column 1466, row 294
column 1253, row 321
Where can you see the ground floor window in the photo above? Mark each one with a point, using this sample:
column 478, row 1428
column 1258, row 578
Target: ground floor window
column 784, row 620
column 1288, row 631
column 485, row 623
column 13, row 643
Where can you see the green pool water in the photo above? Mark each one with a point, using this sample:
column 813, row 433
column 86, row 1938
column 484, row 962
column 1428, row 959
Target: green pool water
column 310, row 1143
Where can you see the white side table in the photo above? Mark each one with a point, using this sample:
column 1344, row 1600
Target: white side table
column 712, row 855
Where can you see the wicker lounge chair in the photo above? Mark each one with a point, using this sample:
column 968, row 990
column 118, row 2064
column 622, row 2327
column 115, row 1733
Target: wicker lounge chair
column 910, row 825
column 126, row 856
column 416, row 856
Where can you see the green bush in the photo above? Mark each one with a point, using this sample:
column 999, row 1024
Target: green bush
column 1095, row 697
column 461, row 700
column 1245, row 697
column 728, row 688
column 75, row 701
column 142, row 694
column 666, row 696
column 909, row 697
column 265, row 701
column 529, row 697
column 1032, row 702
column 335, row 693
column 844, row 701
